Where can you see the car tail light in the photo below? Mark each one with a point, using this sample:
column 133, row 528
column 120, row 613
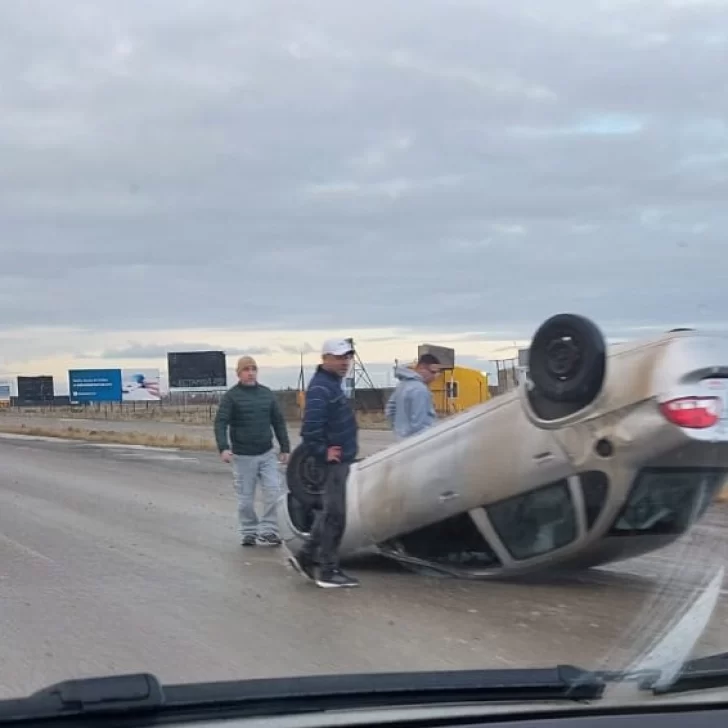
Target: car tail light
column 693, row 412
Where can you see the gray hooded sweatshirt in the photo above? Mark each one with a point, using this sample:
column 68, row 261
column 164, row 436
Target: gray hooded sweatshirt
column 410, row 409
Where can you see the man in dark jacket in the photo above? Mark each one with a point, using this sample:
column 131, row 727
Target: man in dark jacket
column 250, row 411
column 330, row 432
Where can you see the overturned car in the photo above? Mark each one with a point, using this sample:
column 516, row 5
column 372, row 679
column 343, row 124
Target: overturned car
column 600, row 455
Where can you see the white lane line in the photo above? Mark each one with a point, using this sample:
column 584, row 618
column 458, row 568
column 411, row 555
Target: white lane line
column 25, row 549
column 37, row 438
column 140, row 452
column 122, row 446
column 143, row 452
column 154, row 456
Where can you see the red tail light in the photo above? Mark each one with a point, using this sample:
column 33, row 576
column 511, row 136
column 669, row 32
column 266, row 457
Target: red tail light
column 693, row 412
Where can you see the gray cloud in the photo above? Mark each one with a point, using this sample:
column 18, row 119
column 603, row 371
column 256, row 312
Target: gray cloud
column 157, row 351
column 474, row 165
column 304, row 349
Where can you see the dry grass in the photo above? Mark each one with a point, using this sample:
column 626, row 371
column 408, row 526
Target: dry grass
column 147, row 439
column 117, row 437
column 187, row 415
column 373, row 421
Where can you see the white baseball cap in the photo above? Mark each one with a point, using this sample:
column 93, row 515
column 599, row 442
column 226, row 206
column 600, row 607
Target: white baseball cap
column 337, row 347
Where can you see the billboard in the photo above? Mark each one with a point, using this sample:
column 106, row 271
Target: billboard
column 35, row 390
column 445, row 355
column 94, row 385
column 195, row 370
column 140, row 385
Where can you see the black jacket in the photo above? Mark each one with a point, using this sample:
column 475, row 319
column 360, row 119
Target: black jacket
column 328, row 418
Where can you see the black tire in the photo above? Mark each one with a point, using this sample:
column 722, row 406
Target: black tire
column 567, row 359
column 305, row 477
column 300, row 516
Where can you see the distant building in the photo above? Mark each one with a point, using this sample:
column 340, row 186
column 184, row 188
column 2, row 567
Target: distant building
column 458, row 389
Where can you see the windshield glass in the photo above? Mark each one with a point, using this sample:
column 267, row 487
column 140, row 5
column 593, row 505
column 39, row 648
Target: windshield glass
column 359, row 337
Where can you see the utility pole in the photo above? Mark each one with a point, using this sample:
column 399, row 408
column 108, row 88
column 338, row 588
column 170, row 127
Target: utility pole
column 359, row 372
column 301, row 389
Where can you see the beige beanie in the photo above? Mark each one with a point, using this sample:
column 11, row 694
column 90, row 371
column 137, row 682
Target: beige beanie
column 246, row 361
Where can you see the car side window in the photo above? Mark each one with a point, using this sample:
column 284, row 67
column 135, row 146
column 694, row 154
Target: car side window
column 536, row 522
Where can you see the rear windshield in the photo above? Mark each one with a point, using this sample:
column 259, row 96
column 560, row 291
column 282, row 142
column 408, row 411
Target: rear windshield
column 667, row 501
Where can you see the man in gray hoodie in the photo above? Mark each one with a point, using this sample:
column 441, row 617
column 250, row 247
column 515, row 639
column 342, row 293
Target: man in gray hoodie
column 410, row 409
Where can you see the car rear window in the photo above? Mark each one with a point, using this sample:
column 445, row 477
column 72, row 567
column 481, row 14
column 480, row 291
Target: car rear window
column 665, row 501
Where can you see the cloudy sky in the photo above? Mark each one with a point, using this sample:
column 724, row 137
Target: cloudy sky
column 257, row 175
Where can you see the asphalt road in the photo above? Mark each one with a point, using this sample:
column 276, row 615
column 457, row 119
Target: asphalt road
column 369, row 441
column 115, row 559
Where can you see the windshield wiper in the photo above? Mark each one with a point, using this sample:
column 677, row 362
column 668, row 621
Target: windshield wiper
column 142, row 694
column 115, row 694
column 137, row 695
column 703, row 673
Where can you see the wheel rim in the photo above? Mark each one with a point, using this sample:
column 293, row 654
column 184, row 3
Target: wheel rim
column 563, row 356
column 311, row 475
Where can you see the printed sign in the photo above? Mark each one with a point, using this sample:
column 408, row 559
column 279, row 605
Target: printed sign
column 94, row 385
column 140, row 385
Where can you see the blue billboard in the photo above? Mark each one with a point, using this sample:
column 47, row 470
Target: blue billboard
column 94, row 385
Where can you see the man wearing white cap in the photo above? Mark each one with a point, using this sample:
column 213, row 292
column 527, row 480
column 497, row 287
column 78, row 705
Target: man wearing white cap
column 330, row 432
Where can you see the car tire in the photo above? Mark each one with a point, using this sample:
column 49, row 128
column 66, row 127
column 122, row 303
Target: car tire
column 567, row 359
column 305, row 477
column 300, row 516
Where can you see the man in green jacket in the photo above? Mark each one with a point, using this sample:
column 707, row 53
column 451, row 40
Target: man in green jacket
column 251, row 413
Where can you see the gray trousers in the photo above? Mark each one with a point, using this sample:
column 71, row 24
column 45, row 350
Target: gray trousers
column 247, row 470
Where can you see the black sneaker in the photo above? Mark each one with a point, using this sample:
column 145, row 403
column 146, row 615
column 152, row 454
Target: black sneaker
column 303, row 564
column 336, row 579
column 269, row 539
column 249, row 541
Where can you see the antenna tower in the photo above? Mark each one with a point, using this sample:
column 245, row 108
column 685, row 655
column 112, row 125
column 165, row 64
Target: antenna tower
column 359, row 372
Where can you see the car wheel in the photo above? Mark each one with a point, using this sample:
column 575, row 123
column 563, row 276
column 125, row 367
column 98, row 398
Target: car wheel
column 305, row 477
column 567, row 359
column 301, row 516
